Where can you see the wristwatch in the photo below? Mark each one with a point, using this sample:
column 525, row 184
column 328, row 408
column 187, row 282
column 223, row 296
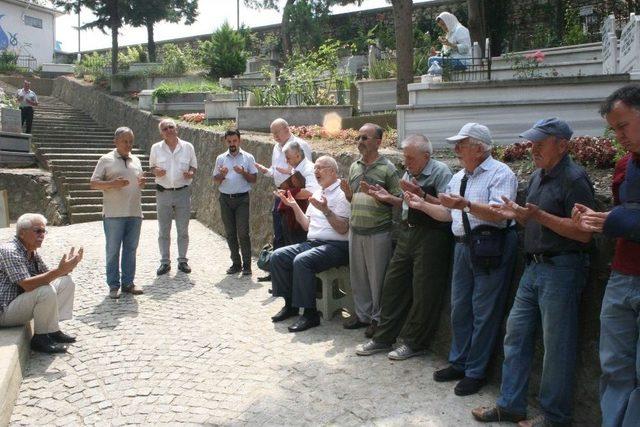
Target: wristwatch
column 467, row 208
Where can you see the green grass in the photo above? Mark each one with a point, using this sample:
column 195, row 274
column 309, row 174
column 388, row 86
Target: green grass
column 166, row 90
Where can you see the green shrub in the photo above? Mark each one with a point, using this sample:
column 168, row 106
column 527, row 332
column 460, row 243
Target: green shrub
column 130, row 55
column 176, row 61
column 165, row 90
column 224, row 55
column 383, row 69
column 8, row 61
column 93, row 64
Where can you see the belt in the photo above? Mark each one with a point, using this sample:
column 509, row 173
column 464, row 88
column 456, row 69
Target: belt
column 547, row 257
column 161, row 188
column 235, row 195
column 460, row 239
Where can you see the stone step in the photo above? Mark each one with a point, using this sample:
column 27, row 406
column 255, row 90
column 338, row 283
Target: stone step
column 74, row 139
column 77, row 194
column 89, row 208
column 81, row 157
column 76, row 218
column 83, row 149
column 82, row 183
column 70, row 164
column 98, row 200
column 100, row 146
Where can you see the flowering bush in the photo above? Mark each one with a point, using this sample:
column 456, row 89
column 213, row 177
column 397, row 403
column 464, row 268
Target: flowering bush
column 193, row 117
column 525, row 66
column 601, row 153
column 389, row 138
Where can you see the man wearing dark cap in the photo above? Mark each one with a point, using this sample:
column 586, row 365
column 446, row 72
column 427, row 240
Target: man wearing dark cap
column 480, row 279
column 620, row 315
column 552, row 282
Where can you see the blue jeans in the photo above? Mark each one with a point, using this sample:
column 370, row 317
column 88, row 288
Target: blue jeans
column 121, row 232
column 453, row 63
column 549, row 293
column 294, row 268
column 620, row 351
column 478, row 298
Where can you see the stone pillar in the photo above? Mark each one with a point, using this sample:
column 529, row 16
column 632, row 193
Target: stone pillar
column 630, row 48
column 609, row 46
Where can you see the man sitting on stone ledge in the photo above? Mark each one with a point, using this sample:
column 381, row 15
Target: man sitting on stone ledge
column 29, row 290
column 293, row 268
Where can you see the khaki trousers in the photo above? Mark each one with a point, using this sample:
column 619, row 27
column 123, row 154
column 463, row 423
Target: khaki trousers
column 46, row 305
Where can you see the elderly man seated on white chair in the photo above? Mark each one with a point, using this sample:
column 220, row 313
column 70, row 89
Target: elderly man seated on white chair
column 293, row 268
column 29, row 290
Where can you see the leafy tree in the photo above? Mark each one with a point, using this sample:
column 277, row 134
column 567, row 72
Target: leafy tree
column 225, row 53
column 109, row 15
column 148, row 12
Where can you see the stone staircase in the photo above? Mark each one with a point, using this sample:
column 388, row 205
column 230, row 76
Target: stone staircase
column 69, row 143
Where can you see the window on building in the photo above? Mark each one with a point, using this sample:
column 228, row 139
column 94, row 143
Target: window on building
column 32, row 21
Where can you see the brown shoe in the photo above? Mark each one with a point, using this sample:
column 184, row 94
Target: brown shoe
column 496, row 414
column 371, row 329
column 133, row 290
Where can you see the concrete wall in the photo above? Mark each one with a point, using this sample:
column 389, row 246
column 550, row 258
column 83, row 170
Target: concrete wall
column 29, row 40
column 112, row 112
column 258, row 118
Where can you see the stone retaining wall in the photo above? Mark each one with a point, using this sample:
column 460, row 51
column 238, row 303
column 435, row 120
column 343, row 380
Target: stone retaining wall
column 32, row 190
column 113, row 112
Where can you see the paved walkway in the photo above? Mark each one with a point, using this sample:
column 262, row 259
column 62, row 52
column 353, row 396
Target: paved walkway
column 202, row 349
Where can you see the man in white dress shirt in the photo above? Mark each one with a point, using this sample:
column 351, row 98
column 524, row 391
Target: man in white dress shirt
column 173, row 162
column 234, row 172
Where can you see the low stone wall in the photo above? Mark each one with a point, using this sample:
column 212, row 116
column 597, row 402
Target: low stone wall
column 41, row 87
column 112, row 112
column 32, row 190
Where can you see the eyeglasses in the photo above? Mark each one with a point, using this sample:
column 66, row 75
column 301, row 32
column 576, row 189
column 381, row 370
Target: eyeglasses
column 39, row 230
column 362, row 138
column 168, row 127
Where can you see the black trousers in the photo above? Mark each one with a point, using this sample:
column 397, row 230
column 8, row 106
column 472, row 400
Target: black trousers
column 26, row 115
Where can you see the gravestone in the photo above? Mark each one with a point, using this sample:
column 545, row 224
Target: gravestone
column 4, row 209
column 609, row 46
column 10, row 120
column 630, row 46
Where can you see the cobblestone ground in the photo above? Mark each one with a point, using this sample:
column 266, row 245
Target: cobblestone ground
column 201, row 349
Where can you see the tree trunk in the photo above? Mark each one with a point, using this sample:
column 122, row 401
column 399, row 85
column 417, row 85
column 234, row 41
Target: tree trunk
column 284, row 29
column 151, row 44
column 403, row 23
column 114, row 49
column 476, row 22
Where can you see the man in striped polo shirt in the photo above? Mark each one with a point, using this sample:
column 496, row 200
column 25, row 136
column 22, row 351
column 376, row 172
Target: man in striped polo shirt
column 370, row 231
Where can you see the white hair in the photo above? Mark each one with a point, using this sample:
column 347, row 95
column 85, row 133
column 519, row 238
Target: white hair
column 486, row 148
column 279, row 122
column 331, row 162
column 121, row 131
column 26, row 221
column 293, row 145
column 163, row 121
column 419, row 141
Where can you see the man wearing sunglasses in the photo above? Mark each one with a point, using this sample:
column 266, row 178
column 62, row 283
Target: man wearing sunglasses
column 173, row 162
column 29, row 290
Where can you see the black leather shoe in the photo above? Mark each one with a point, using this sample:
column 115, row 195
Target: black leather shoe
column 468, row 386
column 448, row 374
column 266, row 278
column 235, row 268
column 246, row 271
column 304, row 323
column 60, row 336
column 184, row 267
column 163, row 269
column 285, row 313
column 43, row 344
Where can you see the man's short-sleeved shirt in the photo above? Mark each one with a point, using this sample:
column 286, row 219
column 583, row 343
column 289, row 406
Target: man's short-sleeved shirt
column 233, row 182
column 175, row 162
column 26, row 96
column 368, row 215
column 15, row 266
column 278, row 159
column 556, row 192
column 487, row 184
column 125, row 201
column 305, row 167
column 435, row 174
column 319, row 226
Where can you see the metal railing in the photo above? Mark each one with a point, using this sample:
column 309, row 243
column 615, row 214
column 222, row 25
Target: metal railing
column 478, row 66
column 27, row 62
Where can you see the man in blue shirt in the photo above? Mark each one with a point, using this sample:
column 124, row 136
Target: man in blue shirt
column 234, row 172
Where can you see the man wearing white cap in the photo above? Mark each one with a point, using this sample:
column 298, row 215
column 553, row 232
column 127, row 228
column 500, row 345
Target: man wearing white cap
column 483, row 258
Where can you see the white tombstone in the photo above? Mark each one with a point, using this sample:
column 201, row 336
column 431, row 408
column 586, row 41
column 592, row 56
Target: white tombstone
column 609, row 46
column 630, row 47
column 4, row 209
